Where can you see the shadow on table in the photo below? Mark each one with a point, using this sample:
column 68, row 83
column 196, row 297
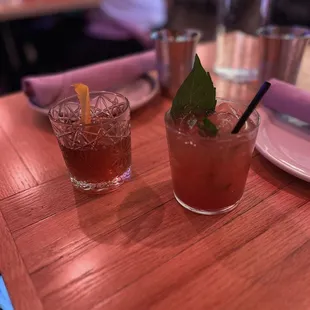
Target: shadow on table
column 41, row 122
column 280, row 178
column 140, row 213
column 299, row 188
column 167, row 225
column 200, row 223
column 134, row 212
column 270, row 173
column 147, row 224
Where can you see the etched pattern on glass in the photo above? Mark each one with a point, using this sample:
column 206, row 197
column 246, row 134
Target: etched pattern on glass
column 96, row 152
column 110, row 122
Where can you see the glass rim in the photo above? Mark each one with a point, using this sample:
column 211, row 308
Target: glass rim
column 90, row 93
column 219, row 138
column 288, row 30
column 155, row 35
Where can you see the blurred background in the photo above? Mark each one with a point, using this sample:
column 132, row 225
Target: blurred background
column 43, row 43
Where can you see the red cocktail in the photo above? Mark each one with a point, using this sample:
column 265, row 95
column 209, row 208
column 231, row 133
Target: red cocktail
column 209, row 173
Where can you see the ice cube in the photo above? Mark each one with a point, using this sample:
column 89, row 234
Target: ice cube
column 188, row 124
column 224, row 122
column 228, row 108
column 191, row 122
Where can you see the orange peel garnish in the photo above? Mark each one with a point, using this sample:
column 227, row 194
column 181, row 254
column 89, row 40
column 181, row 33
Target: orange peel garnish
column 82, row 91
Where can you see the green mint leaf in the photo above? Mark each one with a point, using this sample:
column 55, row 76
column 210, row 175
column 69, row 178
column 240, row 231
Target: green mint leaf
column 196, row 95
column 207, row 128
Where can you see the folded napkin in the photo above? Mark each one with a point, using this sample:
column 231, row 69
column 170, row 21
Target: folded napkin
column 108, row 75
column 288, row 99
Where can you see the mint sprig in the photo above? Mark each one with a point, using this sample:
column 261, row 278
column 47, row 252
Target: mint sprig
column 207, row 128
column 196, row 96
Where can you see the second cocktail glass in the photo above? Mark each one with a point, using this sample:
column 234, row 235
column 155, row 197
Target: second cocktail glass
column 209, row 173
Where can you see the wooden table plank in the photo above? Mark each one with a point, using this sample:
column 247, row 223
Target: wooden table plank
column 233, row 257
column 15, row 177
column 285, row 285
column 48, row 257
column 231, row 275
column 15, row 274
column 32, row 137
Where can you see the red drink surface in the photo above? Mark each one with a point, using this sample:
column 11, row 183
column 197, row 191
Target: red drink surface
column 102, row 164
column 209, row 174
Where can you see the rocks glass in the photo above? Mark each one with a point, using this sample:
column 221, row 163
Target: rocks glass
column 97, row 155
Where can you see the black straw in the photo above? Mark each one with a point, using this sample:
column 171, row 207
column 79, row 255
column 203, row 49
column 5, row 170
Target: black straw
column 258, row 97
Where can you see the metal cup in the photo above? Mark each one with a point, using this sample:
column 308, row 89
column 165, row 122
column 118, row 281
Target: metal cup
column 175, row 52
column 281, row 52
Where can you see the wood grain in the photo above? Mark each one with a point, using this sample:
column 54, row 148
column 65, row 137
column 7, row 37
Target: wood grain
column 15, row 274
column 233, row 274
column 32, row 137
column 15, row 176
column 81, row 225
column 286, row 285
column 136, row 248
column 232, row 258
column 158, row 235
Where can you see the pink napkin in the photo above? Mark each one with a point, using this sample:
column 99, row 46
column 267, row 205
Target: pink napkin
column 108, row 75
column 288, row 99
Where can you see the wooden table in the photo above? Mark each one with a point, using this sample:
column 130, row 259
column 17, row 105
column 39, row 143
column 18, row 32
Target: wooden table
column 137, row 248
column 16, row 9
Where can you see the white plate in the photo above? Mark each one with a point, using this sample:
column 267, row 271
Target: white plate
column 139, row 93
column 285, row 141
